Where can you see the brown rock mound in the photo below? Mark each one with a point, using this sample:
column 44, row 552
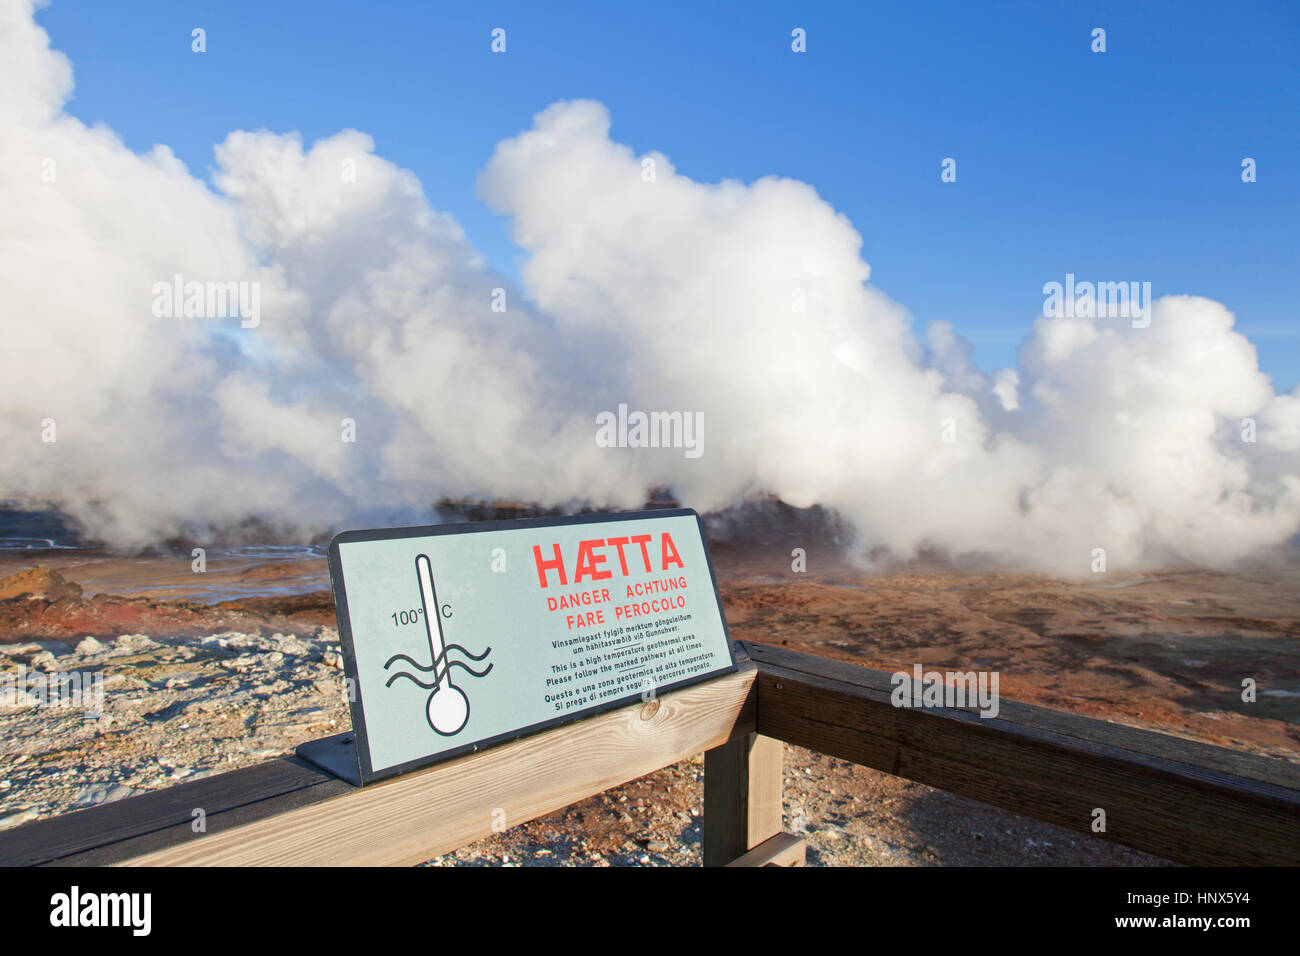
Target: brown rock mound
column 38, row 582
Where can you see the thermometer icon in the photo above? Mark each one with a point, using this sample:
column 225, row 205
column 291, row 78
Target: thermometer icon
column 448, row 708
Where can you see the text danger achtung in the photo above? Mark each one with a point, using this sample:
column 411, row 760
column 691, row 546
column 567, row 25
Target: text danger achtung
column 596, row 560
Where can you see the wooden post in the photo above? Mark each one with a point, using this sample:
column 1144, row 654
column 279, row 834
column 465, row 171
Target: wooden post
column 742, row 796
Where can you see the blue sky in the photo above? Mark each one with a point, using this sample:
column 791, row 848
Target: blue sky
column 1118, row 166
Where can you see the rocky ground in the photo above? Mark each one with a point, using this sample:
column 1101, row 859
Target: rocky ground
column 171, row 710
column 848, row 816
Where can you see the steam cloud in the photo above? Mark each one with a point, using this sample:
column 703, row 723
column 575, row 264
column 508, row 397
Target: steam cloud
column 664, row 295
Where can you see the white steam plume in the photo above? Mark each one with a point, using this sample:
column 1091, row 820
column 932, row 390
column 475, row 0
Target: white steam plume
column 664, row 295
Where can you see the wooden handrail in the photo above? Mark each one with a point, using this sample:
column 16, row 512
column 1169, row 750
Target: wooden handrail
column 1185, row 801
column 1182, row 800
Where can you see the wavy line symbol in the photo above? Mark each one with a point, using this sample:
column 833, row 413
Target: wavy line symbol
column 448, row 707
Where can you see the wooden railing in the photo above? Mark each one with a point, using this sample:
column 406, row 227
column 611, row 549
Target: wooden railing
column 1184, row 801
